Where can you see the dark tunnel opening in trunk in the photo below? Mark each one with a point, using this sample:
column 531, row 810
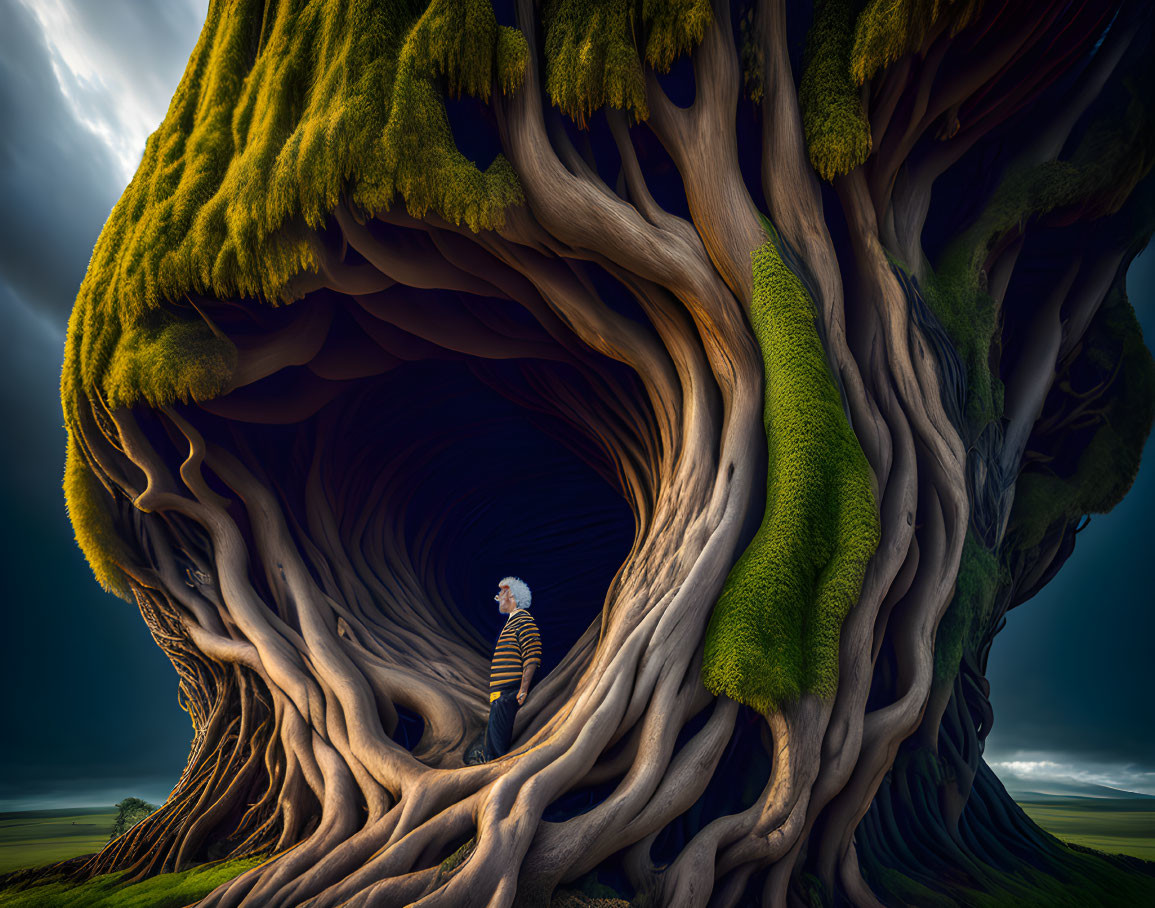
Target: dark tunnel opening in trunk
column 445, row 472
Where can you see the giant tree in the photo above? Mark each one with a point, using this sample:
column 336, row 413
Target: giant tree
column 782, row 350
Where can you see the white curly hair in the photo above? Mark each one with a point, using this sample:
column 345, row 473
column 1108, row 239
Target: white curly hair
column 521, row 594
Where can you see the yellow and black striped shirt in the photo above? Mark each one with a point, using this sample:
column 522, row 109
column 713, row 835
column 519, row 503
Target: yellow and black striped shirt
column 518, row 647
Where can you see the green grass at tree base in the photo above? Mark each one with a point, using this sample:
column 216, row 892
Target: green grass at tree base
column 167, row 890
column 1122, row 826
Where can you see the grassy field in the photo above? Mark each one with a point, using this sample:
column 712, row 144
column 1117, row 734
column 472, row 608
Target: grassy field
column 34, row 837
column 31, row 838
column 1121, row 826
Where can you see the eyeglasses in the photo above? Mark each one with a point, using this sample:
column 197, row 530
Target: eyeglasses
column 497, row 598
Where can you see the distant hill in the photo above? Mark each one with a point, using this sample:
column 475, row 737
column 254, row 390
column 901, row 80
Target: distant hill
column 1047, row 791
column 55, row 812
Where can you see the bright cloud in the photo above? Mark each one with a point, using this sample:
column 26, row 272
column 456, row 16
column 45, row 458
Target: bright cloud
column 1052, row 768
column 117, row 64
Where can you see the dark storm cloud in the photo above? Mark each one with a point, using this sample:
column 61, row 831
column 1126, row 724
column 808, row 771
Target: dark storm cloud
column 57, row 184
column 31, row 348
column 1071, row 673
column 76, row 105
column 92, row 701
column 79, row 789
column 91, row 714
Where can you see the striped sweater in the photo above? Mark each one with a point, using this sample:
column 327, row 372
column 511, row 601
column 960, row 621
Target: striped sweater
column 518, row 647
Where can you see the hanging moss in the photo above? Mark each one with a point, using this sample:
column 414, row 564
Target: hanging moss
column 512, row 58
column 592, row 56
column 887, row 30
column 458, row 40
column 775, row 629
column 281, row 113
column 90, row 513
column 835, row 125
column 675, row 28
column 849, row 42
column 283, row 110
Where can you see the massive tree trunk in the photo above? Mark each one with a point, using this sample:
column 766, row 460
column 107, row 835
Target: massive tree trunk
column 582, row 388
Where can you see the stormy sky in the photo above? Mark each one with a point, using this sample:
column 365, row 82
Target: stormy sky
column 90, row 712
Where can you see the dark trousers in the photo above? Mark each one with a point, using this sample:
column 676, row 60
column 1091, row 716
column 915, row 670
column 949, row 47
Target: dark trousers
column 500, row 730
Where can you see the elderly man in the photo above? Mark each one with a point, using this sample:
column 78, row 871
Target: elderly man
column 515, row 658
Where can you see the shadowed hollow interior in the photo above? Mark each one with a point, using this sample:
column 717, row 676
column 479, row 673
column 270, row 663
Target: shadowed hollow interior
column 411, row 492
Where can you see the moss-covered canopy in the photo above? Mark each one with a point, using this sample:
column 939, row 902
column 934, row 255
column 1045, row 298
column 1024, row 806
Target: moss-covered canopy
column 285, row 111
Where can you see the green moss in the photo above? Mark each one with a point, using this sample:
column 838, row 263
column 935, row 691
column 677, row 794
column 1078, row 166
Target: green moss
column 1110, row 168
column 592, row 56
column 283, row 110
column 168, row 890
column 967, row 313
column 848, row 43
column 1115, row 154
column 675, row 28
column 969, row 612
column 171, row 357
column 457, row 38
column 512, row 58
column 851, row 41
column 86, row 500
column 889, row 29
column 774, row 631
column 1108, row 465
column 458, row 857
column 833, row 120
column 276, row 119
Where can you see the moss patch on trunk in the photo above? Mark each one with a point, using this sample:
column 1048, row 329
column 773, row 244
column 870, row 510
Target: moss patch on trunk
column 774, row 632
